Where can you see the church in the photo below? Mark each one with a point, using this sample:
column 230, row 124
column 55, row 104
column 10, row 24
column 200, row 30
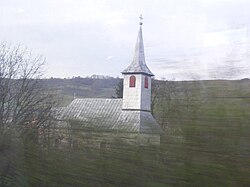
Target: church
column 129, row 118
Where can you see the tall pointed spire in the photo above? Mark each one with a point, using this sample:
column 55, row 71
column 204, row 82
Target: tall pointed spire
column 138, row 64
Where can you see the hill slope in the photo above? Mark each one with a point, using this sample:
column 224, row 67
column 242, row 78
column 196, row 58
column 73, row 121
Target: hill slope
column 81, row 88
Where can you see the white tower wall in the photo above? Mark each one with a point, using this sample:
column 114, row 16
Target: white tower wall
column 138, row 97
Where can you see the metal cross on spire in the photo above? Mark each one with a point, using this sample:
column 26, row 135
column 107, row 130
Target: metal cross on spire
column 141, row 18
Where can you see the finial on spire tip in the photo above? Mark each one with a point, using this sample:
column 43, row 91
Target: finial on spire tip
column 141, row 18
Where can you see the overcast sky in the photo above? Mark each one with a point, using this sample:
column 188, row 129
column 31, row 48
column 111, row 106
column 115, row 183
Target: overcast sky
column 184, row 39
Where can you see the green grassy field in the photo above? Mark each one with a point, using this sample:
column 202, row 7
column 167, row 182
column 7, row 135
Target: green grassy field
column 214, row 134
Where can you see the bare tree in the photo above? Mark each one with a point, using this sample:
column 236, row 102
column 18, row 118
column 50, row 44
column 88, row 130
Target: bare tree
column 164, row 94
column 119, row 89
column 24, row 104
column 186, row 90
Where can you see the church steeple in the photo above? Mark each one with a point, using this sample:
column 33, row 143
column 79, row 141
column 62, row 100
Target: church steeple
column 138, row 65
column 137, row 79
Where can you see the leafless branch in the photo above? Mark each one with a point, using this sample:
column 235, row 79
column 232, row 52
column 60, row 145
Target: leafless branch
column 24, row 104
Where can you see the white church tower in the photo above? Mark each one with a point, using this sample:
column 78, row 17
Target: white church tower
column 137, row 80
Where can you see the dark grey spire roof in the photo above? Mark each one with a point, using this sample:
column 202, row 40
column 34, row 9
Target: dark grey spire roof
column 107, row 115
column 138, row 64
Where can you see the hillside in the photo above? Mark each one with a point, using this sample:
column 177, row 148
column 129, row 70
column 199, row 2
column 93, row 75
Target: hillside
column 81, row 87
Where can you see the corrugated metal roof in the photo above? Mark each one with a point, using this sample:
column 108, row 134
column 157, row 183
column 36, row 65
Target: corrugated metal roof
column 138, row 64
column 107, row 115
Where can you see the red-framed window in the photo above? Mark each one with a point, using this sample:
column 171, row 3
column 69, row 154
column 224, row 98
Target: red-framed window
column 146, row 82
column 132, row 81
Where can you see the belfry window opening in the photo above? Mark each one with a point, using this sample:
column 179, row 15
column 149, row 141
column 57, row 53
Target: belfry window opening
column 146, row 82
column 132, row 81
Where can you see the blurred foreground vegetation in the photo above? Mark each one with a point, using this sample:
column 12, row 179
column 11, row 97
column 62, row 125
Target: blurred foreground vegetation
column 206, row 143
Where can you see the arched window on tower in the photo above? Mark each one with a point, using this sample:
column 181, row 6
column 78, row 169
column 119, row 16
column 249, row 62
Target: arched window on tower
column 132, row 80
column 146, row 82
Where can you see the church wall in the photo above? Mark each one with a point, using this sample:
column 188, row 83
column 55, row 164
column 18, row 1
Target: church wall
column 81, row 138
column 99, row 139
column 149, row 139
